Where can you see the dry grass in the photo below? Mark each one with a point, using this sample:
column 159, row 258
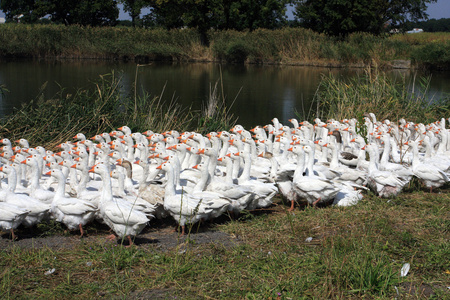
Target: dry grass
column 422, row 38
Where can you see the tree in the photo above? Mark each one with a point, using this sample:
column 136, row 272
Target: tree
column 133, row 7
column 219, row 14
column 251, row 14
column 14, row 8
column 199, row 14
column 83, row 12
column 341, row 17
column 167, row 14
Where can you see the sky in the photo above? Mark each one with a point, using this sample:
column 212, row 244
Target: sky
column 438, row 10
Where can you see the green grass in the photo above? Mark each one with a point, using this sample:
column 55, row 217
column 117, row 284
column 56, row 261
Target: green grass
column 356, row 252
column 106, row 106
column 375, row 92
column 296, row 46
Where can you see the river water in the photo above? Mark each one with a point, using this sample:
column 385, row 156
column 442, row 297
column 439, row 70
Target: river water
column 255, row 93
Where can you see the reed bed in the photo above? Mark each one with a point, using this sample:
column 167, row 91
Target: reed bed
column 283, row 46
column 105, row 107
column 375, row 92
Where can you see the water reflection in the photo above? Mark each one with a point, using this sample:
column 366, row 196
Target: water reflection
column 259, row 93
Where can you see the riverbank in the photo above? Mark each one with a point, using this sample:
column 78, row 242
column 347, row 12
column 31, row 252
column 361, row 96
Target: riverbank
column 288, row 46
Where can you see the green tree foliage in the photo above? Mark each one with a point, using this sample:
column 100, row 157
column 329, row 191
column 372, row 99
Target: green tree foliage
column 341, row 17
column 83, row 12
column 133, row 8
column 432, row 25
column 166, row 14
column 250, row 14
column 219, row 14
column 15, row 8
column 200, row 14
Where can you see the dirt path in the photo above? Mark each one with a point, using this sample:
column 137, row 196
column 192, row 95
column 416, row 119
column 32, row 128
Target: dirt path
column 160, row 235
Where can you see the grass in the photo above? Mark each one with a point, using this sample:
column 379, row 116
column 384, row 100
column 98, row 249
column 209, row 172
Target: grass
column 105, row 107
column 376, row 92
column 294, row 46
column 355, row 252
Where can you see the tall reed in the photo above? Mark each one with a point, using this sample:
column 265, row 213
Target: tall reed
column 103, row 108
column 281, row 46
column 375, row 92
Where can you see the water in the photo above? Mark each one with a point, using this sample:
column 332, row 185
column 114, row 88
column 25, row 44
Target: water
column 257, row 93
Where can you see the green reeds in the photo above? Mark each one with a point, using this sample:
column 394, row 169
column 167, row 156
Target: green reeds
column 376, row 92
column 103, row 108
column 296, row 46
column 20, row 40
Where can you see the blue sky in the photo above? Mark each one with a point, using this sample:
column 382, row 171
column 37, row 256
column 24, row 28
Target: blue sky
column 440, row 9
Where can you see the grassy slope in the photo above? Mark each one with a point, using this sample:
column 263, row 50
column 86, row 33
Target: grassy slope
column 284, row 46
column 355, row 252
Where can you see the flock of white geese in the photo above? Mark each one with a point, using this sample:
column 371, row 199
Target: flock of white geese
column 125, row 178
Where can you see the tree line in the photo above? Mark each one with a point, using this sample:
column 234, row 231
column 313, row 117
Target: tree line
column 333, row 17
column 432, row 25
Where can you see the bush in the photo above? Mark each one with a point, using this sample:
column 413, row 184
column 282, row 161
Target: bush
column 434, row 55
column 237, row 52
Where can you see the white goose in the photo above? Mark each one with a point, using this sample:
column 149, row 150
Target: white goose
column 263, row 191
column 121, row 216
column 72, row 212
column 131, row 197
column 149, row 191
column 314, row 189
column 36, row 191
column 37, row 211
column 430, row 175
column 11, row 217
column 384, row 183
column 184, row 208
